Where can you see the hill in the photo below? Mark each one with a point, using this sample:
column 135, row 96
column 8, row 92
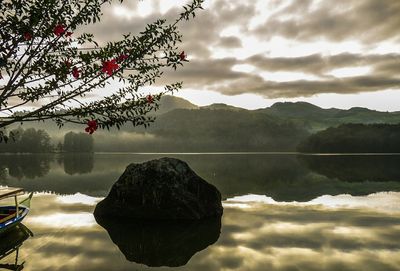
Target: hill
column 183, row 126
column 212, row 130
column 169, row 103
column 316, row 118
column 221, row 106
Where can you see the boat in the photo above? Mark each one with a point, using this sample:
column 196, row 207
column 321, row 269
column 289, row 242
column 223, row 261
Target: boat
column 11, row 243
column 12, row 215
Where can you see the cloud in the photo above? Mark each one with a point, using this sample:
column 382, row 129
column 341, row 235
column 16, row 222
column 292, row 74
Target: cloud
column 368, row 21
column 205, row 73
column 306, row 88
column 217, row 74
column 230, row 42
column 198, row 33
column 229, row 33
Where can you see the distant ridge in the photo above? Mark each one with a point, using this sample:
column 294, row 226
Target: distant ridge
column 295, row 104
column 297, row 109
column 222, row 106
column 168, row 103
column 317, row 118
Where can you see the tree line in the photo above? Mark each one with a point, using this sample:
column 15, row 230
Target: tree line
column 32, row 140
column 354, row 138
column 247, row 133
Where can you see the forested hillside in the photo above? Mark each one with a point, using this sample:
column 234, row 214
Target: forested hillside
column 355, row 138
column 181, row 126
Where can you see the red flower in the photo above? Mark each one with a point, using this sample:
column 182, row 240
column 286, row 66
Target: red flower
column 59, row 30
column 27, row 36
column 75, row 72
column 149, row 99
column 110, row 66
column 122, row 57
column 92, row 126
column 69, row 34
column 182, row 56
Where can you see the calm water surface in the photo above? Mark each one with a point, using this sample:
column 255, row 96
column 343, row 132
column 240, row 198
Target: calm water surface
column 281, row 212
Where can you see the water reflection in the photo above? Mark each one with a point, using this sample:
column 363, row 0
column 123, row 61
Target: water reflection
column 11, row 242
column 289, row 237
column 162, row 243
column 355, row 168
column 77, row 163
column 24, row 166
column 322, row 233
column 259, row 237
column 282, row 177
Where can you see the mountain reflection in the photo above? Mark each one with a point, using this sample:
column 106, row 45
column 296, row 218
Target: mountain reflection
column 161, row 243
column 282, row 177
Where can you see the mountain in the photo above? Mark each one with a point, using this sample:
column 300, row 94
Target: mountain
column 316, row 118
column 300, row 110
column 221, row 106
column 181, row 126
column 210, row 130
column 169, row 103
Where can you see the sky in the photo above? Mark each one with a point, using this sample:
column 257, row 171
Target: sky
column 342, row 53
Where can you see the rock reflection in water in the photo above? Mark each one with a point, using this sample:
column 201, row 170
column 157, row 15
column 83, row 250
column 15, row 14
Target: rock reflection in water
column 161, row 243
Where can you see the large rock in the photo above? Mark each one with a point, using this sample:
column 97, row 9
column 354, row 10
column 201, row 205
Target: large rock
column 161, row 189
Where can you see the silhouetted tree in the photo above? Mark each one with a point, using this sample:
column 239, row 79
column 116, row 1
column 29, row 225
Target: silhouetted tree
column 28, row 141
column 78, row 142
column 60, row 147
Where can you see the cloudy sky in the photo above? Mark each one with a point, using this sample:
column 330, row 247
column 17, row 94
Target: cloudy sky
column 341, row 53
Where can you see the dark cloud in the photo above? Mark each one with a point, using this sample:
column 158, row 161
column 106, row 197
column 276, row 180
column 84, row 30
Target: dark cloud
column 218, row 74
column 304, row 88
column 205, row 73
column 318, row 64
column 230, row 42
column 368, row 21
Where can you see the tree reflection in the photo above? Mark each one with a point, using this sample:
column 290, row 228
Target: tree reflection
column 282, row 177
column 297, row 178
column 25, row 166
column 78, row 163
column 161, row 243
column 371, row 168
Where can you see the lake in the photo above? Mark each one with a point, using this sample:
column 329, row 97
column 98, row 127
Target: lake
column 281, row 212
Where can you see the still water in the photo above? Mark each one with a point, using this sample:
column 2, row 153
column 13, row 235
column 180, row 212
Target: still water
column 281, row 212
